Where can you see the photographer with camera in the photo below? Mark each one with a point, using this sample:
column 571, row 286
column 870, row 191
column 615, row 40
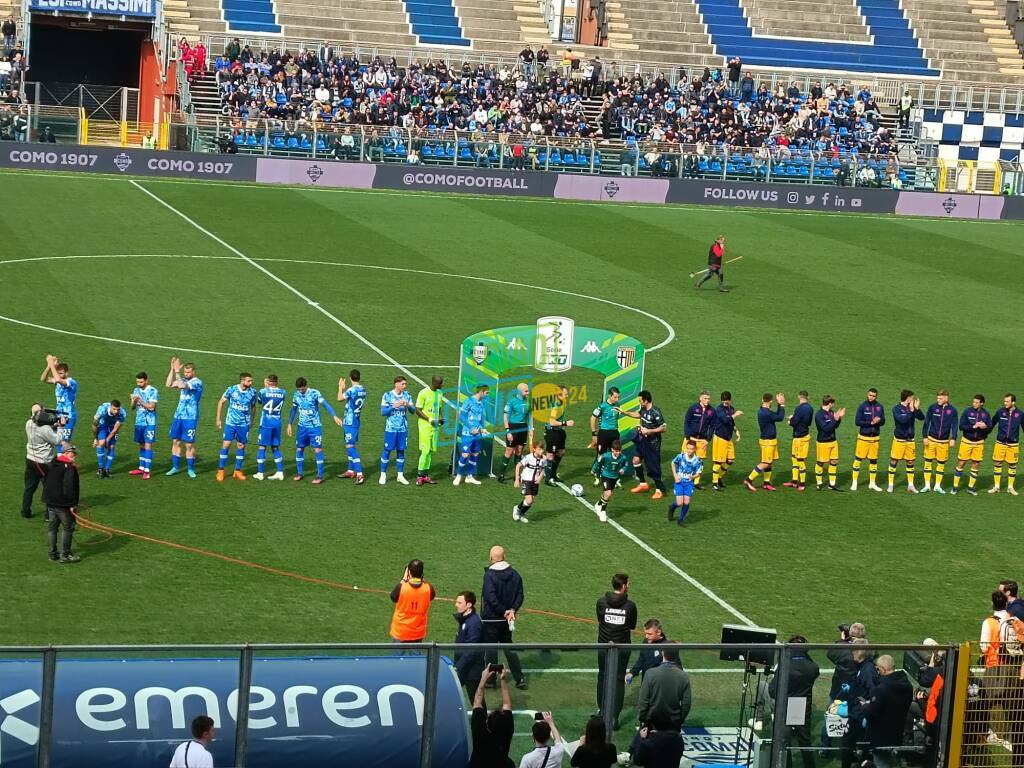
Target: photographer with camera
column 492, row 731
column 659, row 744
column 43, row 436
column 845, row 669
column 60, row 492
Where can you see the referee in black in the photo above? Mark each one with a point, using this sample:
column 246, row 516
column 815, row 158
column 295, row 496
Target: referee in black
column 715, row 254
column 647, row 459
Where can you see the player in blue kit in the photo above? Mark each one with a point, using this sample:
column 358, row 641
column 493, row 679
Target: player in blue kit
column 395, row 405
column 271, row 403
column 306, row 403
column 106, row 424
column 686, row 468
column 241, row 401
column 65, row 390
column 354, row 398
column 186, row 415
column 144, row 400
column 472, row 428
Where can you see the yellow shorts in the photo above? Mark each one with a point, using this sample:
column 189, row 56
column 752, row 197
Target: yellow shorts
column 825, row 453
column 722, row 451
column 866, row 448
column 769, row 451
column 971, row 450
column 1002, row 452
column 702, row 448
column 903, row 450
column 936, row 449
column 800, row 447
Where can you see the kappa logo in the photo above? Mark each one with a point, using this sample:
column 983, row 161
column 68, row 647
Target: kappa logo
column 625, row 356
column 15, row 727
column 479, row 352
column 949, row 205
column 611, row 189
column 122, row 161
column 314, row 172
column 591, row 347
column 515, row 345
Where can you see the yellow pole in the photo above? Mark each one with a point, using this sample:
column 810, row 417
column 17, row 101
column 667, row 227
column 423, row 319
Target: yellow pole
column 942, row 175
column 959, row 714
column 997, row 179
column 124, row 133
column 85, row 130
column 971, row 179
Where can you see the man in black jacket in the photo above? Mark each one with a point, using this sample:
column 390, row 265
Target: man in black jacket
column 60, row 492
column 650, row 654
column 502, row 599
column 845, row 667
column 886, row 711
column 469, row 665
column 658, row 744
column 803, row 672
column 616, row 619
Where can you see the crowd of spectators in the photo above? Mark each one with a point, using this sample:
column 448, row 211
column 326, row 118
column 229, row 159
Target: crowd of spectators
column 647, row 123
column 13, row 65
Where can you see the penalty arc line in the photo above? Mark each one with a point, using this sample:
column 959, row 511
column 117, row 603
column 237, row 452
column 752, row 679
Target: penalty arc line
column 621, row 529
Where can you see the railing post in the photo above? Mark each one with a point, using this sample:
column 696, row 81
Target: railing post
column 46, row 708
column 242, row 710
column 779, row 728
column 429, row 706
column 612, row 675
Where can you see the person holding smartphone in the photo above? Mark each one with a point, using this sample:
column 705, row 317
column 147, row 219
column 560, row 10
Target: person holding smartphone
column 492, row 731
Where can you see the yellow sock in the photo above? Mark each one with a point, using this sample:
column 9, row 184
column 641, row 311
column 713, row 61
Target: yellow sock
column 716, row 473
column 856, row 470
column 940, row 470
column 910, row 476
column 696, row 481
column 768, row 477
column 803, row 472
column 872, row 472
column 819, row 471
column 832, row 470
column 927, row 473
column 795, row 471
column 892, row 475
column 956, row 478
column 997, row 474
column 1011, row 475
column 753, row 474
column 972, row 479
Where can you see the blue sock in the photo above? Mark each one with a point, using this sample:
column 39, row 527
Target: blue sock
column 300, row 459
column 239, row 458
column 101, row 457
column 354, row 462
column 261, row 459
column 176, row 461
column 400, row 462
column 110, row 457
column 682, row 512
column 462, row 465
column 320, row 464
column 142, row 459
column 672, row 509
column 471, row 465
column 384, row 459
column 223, row 458
column 190, row 462
column 279, row 459
column 146, row 459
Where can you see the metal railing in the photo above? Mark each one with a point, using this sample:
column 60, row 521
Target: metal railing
column 929, row 93
column 742, row 690
column 101, row 102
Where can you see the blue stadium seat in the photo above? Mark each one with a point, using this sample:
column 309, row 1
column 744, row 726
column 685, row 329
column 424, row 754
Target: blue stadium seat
column 435, row 22
column 250, row 16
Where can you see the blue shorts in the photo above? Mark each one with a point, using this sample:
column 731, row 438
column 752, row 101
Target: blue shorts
column 270, row 436
column 102, row 435
column 309, row 436
column 236, row 434
column 469, row 444
column 395, row 441
column 184, row 430
column 684, row 488
column 351, row 434
column 145, row 433
column 68, row 429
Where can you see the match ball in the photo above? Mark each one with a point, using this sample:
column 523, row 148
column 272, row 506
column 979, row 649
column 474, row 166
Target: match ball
column 577, row 490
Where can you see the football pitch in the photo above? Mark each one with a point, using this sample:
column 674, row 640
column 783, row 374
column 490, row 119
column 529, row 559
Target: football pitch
column 115, row 277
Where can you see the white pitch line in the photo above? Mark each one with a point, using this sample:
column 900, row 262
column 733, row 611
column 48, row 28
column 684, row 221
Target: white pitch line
column 663, row 560
column 628, row 534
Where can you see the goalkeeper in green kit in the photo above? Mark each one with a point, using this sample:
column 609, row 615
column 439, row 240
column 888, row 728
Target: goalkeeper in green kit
column 428, row 409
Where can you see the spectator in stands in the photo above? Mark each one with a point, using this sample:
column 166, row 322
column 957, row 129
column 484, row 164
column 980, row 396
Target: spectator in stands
column 803, row 673
column 627, row 158
column 491, row 731
column 659, row 744
column 10, row 30
column 375, row 148
column 148, row 142
column 568, row 57
column 233, row 50
column 325, row 55
column 735, row 65
column 542, row 60
column 650, row 653
column 665, row 691
column 1014, row 605
column 906, row 107
column 46, row 136
column 747, row 88
column 469, row 665
column 526, row 61
column 548, row 746
column 886, row 711
column 594, row 750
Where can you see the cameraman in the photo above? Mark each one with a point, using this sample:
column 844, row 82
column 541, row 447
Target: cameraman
column 659, row 744
column 60, row 492
column 43, row 433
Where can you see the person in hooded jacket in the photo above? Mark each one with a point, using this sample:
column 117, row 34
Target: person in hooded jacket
column 886, row 711
column 616, row 619
column 502, row 598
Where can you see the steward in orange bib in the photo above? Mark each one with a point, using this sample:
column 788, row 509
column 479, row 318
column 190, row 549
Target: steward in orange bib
column 411, row 596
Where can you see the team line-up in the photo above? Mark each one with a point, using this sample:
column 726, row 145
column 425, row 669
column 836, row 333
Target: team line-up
column 704, row 426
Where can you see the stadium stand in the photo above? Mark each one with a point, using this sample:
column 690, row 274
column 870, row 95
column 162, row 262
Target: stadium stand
column 250, row 16
column 435, row 23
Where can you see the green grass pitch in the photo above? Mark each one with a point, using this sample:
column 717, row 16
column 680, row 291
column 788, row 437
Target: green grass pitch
column 833, row 304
